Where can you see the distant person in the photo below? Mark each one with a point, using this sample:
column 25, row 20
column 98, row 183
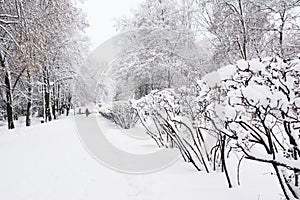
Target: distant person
column 87, row 112
column 79, row 111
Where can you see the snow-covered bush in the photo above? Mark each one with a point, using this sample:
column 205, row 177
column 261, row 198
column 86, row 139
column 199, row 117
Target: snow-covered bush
column 258, row 111
column 106, row 111
column 169, row 117
column 251, row 108
column 262, row 115
column 121, row 113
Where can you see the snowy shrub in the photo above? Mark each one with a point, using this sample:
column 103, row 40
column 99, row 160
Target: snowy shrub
column 262, row 115
column 251, row 108
column 106, row 111
column 168, row 117
column 121, row 113
column 258, row 111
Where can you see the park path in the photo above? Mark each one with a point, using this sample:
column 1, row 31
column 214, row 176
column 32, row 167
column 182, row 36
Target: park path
column 49, row 162
column 93, row 138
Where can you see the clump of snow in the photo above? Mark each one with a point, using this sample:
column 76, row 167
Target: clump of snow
column 257, row 94
column 242, row 64
column 227, row 72
column 256, row 65
column 212, row 79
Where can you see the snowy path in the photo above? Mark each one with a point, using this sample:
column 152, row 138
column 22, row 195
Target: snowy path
column 48, row 161
column 95, row 141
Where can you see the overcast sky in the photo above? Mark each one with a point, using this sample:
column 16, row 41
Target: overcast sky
column 101, row 14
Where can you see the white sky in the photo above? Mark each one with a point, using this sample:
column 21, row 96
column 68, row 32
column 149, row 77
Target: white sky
column 101, row 14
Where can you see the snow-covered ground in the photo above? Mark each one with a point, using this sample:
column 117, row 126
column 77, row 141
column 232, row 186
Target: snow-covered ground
column 48, row 161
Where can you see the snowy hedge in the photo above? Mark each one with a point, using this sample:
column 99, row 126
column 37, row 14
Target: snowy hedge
column 168, row 117
column 121, row 113
column 251, row 108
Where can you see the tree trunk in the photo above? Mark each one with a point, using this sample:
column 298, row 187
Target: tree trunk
column 282, row 15
column 281, row 30
column 29, row 100
column 47, row 96
column 7, row 82
column 9, row 112
column 68, row 106
column 244, row 32
column 29, row 112
column 58, row 103
column 54, row 104
column 47, row 106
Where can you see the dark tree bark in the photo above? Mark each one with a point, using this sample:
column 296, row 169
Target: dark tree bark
column 68, row 106
column 28, row 113
column 8, row 93
column 58, row 102
column 9, row 109
column 244, row 32
column 47, row 99
column 47, row 107
column 29, row 100
column 54, row 108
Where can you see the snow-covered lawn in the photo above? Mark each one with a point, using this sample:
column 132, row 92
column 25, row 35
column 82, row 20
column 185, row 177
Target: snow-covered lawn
column 48, row 161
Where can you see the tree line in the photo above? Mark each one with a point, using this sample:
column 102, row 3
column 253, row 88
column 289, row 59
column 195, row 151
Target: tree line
column 42, row 45
column 170, row 43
